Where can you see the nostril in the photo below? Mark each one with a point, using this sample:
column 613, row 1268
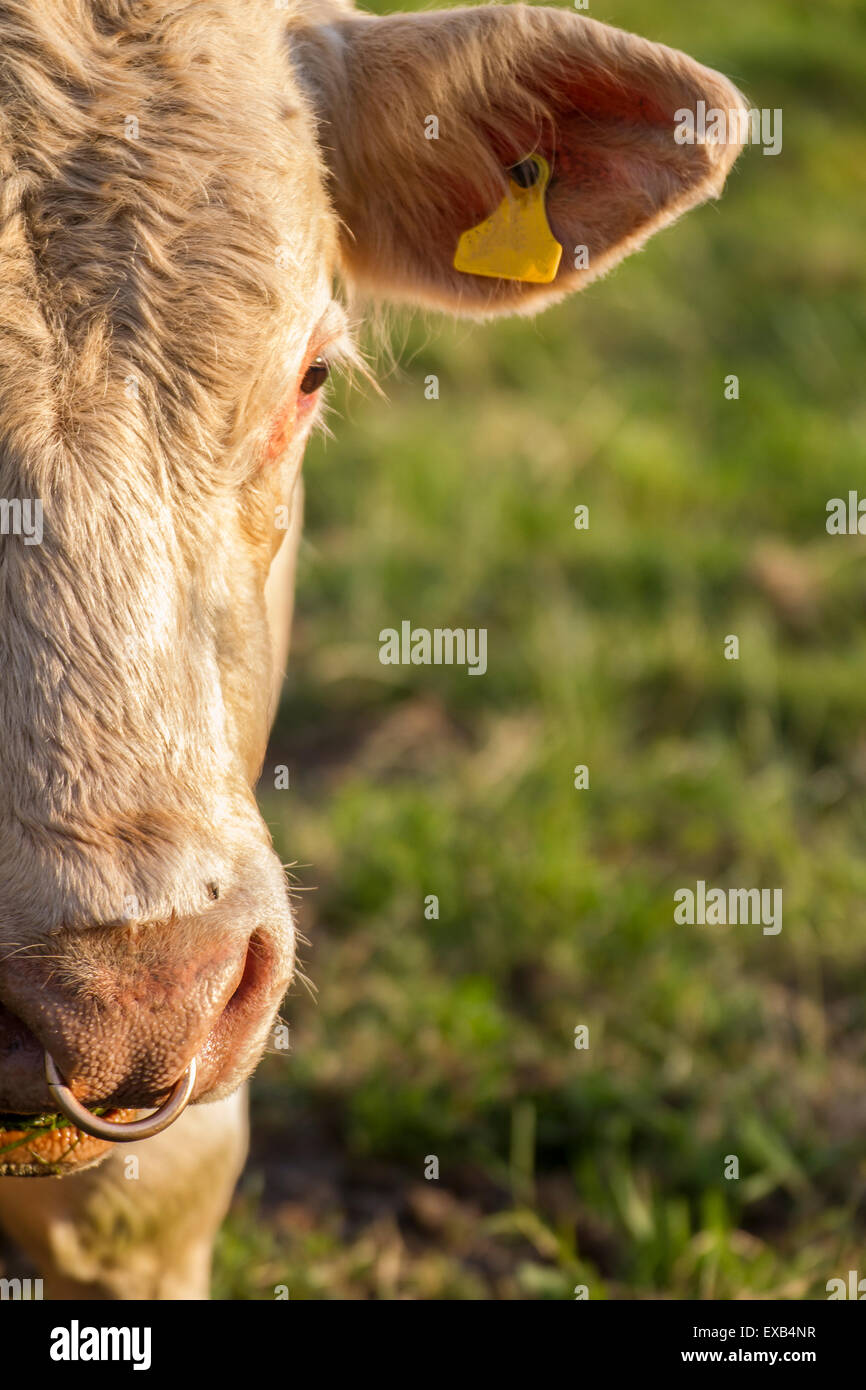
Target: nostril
column 237, row 1034
column 257, row 972
column 15, row 1036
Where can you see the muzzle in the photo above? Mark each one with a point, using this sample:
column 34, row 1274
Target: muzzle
column 123, row 1132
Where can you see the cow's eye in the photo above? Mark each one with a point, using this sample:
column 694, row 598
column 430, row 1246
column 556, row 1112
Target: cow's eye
column 315, row 376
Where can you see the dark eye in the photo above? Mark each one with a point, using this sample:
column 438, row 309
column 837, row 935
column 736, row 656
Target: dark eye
column 315, row 376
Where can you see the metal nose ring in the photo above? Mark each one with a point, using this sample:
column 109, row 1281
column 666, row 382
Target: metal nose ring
column 120, row 1132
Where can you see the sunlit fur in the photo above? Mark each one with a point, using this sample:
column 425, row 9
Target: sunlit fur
column 180, row 183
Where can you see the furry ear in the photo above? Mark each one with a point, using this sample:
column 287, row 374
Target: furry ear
column 502, row 83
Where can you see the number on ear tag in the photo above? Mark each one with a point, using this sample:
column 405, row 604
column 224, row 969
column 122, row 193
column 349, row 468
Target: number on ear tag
column 515, row 242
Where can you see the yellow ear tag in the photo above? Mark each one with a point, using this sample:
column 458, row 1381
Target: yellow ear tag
column 515, row 242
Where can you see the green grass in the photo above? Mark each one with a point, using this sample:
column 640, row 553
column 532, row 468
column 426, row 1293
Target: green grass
column 454, row 1037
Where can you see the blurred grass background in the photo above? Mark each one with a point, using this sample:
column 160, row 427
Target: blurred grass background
column 454, row 1037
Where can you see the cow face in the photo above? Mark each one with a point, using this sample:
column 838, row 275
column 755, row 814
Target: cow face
column 181, row 185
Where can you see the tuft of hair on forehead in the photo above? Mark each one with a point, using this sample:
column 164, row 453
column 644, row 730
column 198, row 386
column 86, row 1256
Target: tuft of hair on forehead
column 162, row 225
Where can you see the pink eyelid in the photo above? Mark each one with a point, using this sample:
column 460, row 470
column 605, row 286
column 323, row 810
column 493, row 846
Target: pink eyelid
column 297, row 406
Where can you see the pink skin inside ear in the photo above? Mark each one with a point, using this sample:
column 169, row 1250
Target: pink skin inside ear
column 605, row 100
column 590, row 99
